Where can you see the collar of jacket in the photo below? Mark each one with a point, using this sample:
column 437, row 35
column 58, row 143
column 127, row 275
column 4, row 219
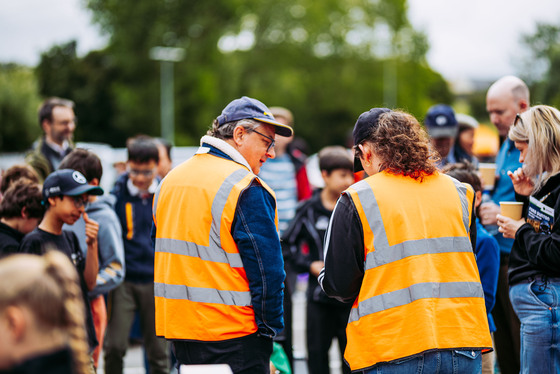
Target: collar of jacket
column 224, row 147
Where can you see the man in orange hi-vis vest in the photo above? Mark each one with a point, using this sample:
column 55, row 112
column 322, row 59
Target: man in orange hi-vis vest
column 400, row 247
column 219, row 270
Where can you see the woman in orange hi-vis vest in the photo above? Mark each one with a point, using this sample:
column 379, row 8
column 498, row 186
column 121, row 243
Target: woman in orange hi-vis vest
column 400, row 247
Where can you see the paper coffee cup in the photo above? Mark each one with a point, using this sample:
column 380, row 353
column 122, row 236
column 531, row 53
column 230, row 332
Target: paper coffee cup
column 488, row 175
column 511, row 209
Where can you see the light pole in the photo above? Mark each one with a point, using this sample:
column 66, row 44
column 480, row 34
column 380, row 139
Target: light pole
column 167, row 56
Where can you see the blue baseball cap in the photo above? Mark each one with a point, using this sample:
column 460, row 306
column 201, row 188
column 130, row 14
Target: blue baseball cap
column 68, row 182
column 440, row 122
column 248, row 108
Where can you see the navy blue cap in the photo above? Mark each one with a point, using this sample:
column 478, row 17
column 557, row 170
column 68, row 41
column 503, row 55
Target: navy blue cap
column 366, row 122
column 68, row 182
column 440, row 122
column 248, row 108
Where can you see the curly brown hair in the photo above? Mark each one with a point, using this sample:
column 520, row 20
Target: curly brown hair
column 403, row 145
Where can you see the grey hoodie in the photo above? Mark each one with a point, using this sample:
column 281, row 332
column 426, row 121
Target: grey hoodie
column 109, row 238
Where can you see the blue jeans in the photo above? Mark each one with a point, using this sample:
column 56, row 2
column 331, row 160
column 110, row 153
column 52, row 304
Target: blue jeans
column 438, row 362
column 536, row 303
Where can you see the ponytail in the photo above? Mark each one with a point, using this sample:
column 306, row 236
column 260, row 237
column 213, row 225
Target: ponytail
column 48, row 287
column 61, row 270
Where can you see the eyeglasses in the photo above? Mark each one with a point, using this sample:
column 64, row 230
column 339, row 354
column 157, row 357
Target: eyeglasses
column 272, row 141
column 137, row 172
column 518, row 118
column 79, row 201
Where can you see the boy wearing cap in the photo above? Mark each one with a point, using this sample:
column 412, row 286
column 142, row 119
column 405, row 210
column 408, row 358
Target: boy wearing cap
column 110, row 243
column 219, row 270
column 303, row 240
column 65, row 195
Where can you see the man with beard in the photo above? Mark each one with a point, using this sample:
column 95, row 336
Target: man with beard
column 57, row 119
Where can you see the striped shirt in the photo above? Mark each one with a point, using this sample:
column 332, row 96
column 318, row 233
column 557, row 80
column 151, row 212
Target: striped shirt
column 280, row 174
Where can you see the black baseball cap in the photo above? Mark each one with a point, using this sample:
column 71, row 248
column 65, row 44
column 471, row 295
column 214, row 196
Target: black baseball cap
column 68, row 182
column 366, row 122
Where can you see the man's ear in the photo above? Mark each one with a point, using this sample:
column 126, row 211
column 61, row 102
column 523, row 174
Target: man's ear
column 238, row 134
column 45, row 125
column 523, row 105
column 94, row 182
column 15, row 321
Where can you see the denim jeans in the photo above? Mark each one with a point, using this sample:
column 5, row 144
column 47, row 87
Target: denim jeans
column 536, row 303
column 438, row 362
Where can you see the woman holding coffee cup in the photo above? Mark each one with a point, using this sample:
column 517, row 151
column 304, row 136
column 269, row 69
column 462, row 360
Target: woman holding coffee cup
column 534, row 266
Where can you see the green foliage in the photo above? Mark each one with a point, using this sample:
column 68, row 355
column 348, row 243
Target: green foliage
column 19, row 101
column 328, row 61
column 542, row 67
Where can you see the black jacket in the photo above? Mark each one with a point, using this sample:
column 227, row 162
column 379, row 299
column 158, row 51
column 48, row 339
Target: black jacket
column 536, row 253
column 58, row 362
column 302, row 243
column 9, row 240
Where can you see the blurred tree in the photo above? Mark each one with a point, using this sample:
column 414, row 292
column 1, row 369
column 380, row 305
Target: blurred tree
column 328, row 61
column 542, row 67
column 89, row 83
column 19, row 101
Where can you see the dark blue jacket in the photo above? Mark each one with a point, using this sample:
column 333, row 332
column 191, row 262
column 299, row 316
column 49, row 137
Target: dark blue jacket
column 136, row 226
column 488, row 261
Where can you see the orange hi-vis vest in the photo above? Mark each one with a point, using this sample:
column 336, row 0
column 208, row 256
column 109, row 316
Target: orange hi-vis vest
column 201, row 289
column 421, row 289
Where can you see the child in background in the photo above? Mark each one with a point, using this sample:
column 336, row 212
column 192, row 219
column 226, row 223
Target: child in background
column 65, row 195
column 20, row 213
column 134, row 191
column 41, row 316
column 303, row 244
column 487, row 252
column 109, row 238
column 15, row 173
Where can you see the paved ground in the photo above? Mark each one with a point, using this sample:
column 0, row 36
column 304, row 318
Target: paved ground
column 134, row 361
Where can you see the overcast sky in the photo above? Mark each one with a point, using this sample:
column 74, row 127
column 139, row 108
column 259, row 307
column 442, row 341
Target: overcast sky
column 469, row 38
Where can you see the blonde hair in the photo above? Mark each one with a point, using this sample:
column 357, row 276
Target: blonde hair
column 48, row 287
column 539, row 127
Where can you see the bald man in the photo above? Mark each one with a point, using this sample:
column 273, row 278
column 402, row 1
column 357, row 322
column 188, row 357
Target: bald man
column 507, row 97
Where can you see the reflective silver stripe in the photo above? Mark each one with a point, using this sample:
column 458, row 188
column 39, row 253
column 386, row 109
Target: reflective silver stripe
column 462, row 190
column 386, row 255
column 373, row 214
column 415, row 292
column 154, row 204
column 202, row 295
column 212, row 253
column 220, row 201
